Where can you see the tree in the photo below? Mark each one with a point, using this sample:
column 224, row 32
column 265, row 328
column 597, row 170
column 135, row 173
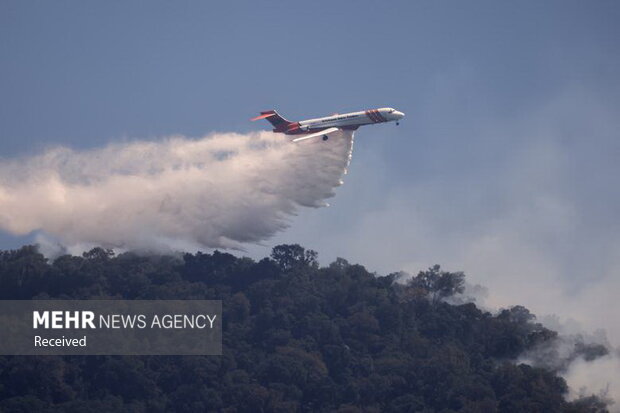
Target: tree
column 439, row 284
column 289, row 256
column 317, row 339
column 517, row 314
column 99, row 254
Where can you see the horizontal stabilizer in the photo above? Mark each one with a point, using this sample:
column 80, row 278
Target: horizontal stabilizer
column 263, row 116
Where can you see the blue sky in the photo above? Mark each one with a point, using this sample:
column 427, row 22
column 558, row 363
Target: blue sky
column 505, row 167
column 82, row 74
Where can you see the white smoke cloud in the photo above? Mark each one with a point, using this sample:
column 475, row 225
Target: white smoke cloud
column 599, row 377
column 220, row 191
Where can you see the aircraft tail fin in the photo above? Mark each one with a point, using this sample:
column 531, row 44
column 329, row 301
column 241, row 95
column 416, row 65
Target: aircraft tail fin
column 278, row 122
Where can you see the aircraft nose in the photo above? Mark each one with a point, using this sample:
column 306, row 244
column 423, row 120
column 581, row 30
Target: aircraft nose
column 399, row 115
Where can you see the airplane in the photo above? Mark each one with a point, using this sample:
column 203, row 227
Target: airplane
column 323, row 127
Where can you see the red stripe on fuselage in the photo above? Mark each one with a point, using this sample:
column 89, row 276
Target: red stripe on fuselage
column 293, row 128
column 375, row 116
column 372, row 115
column 379, row 116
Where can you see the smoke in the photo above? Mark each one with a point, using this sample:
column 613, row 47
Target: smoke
column 599, row 376
column 526, row 204
column 587, row 362
column 220, row 191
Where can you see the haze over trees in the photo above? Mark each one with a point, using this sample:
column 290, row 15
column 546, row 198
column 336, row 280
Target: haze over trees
column 297, row 337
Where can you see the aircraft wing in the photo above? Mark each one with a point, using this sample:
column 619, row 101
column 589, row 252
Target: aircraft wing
column 317, row 134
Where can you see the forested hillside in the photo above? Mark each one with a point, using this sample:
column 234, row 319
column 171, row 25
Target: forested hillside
column 297, row 337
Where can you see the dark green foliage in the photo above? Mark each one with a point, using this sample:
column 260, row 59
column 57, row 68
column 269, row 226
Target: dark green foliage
column 438, row 284
column 296, row 338
column 293, row 256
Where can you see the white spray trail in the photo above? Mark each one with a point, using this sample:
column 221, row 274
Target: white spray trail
column 216, row 192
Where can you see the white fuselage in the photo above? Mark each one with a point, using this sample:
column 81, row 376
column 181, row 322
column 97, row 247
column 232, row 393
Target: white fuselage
column 352, row 120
